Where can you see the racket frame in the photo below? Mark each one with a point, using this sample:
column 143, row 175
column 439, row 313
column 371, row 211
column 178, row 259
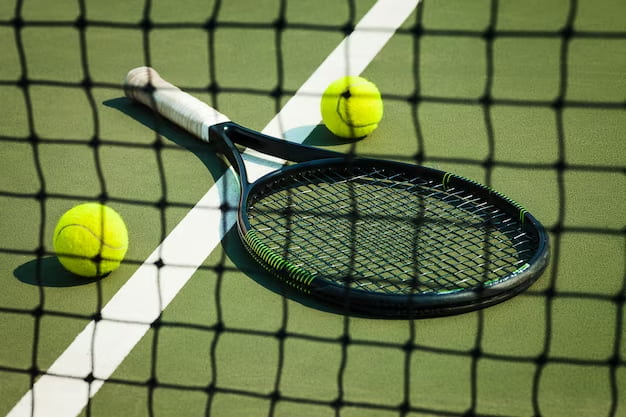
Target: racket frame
column 346, row 298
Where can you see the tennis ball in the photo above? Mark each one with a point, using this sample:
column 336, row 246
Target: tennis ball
column 90, row 240
column 351, row 107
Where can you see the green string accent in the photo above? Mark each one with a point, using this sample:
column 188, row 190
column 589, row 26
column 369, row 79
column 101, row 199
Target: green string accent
column 522, row 211
column 292, row 274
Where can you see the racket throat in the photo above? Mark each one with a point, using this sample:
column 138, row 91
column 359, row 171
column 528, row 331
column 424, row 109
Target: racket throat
column 219, row 136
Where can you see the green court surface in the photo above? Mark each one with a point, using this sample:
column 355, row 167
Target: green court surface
column 526, row 97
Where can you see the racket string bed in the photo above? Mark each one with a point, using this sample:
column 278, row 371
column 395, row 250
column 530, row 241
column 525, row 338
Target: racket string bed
column 384, row 232
column 355, row 229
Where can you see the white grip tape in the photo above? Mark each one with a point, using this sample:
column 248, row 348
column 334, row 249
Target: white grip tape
column 169, row 101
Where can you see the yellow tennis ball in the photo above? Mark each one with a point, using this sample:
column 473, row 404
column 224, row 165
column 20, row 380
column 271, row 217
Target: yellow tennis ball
column 90, row 240
column 351, row 107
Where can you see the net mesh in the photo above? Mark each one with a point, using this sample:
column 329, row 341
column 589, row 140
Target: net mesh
column 566, row 357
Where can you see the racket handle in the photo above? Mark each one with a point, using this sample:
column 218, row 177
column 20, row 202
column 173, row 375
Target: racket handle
column 146, row 86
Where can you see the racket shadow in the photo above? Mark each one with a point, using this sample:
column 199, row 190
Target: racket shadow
column 205, row 152
column 242, row 260
column 231, row 243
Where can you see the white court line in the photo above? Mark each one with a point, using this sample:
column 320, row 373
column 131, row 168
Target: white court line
column 102, row 346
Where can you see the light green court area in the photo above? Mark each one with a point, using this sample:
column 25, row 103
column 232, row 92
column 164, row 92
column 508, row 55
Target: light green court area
column 535, row 115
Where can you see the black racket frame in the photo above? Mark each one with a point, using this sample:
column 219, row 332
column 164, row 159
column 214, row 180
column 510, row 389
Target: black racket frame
column 345, row 298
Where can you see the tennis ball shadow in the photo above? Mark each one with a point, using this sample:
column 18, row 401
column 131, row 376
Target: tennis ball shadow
column 48, row 272
column 321, row 136
column 204, row 151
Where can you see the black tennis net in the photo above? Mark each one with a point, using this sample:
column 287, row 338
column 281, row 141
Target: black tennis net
column 570, row 145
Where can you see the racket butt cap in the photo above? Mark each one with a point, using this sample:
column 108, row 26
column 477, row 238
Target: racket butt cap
column 140, row 82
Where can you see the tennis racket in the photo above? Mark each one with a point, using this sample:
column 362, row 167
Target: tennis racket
column 366, row 237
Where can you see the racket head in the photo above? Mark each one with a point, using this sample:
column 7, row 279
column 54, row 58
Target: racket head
column 384, row 239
